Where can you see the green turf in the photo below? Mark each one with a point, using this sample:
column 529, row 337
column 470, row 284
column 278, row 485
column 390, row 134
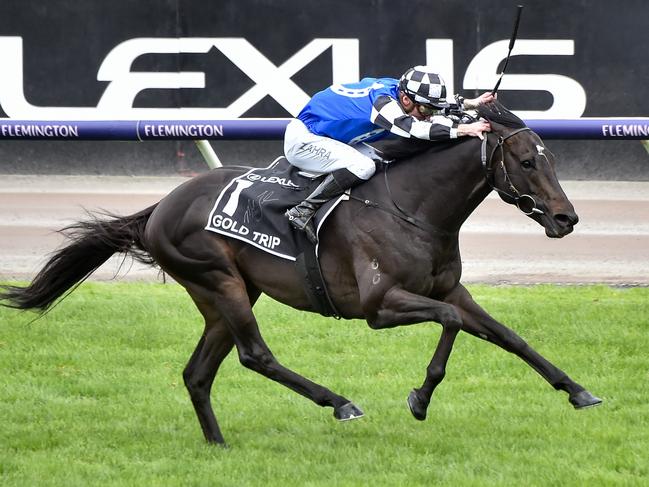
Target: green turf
column 92, row 394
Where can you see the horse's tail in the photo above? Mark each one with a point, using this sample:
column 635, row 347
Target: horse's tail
column 93, row 242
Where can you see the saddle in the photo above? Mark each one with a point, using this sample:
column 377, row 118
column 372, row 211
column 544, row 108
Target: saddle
column 251, row 209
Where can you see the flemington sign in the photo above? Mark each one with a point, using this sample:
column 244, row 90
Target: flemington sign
column 265, row 129
column 626, row 130
column 262, row 129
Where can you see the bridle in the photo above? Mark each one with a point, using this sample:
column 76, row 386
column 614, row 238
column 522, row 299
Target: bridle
column 522, row 201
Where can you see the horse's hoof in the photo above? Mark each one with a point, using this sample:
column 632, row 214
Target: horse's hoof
column 219, row 444
column 584, row 399
column 347, row 412
column 417, row 406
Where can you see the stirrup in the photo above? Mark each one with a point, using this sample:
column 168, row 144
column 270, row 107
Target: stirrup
column 303, row 222
column 310, row 231
column 299, row 216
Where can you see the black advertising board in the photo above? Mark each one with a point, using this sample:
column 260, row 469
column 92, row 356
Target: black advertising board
column 185, row 59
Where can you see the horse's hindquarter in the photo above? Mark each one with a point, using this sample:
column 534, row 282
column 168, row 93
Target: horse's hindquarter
column 176, row 238
column 175, row 234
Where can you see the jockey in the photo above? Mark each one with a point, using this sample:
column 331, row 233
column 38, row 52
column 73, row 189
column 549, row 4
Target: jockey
column 321, row 139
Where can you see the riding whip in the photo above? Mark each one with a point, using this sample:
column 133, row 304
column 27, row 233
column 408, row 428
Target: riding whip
column 511, row 46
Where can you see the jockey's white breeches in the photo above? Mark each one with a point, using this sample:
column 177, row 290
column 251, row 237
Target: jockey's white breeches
column 321, row 155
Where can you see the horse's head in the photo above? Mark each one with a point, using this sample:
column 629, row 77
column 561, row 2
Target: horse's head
column 521, row 169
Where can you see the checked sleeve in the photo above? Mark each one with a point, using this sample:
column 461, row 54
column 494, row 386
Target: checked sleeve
column 387, row 114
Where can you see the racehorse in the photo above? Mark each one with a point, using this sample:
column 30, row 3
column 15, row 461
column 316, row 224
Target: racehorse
column 389, row 255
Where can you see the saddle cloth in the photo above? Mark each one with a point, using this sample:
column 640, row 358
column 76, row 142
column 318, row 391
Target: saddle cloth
column 251, row 208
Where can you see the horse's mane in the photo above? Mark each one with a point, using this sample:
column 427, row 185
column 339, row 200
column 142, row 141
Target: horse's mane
column 496, row 112
column 395, row 147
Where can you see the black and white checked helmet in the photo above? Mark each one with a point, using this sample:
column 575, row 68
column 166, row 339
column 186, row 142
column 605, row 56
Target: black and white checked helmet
column 422, row 85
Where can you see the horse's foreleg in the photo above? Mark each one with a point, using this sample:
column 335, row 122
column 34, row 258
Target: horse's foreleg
column 478, row 322
column 399, row 307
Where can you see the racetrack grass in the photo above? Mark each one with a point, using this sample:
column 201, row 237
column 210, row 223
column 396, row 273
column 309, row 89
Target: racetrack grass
column 92, row 394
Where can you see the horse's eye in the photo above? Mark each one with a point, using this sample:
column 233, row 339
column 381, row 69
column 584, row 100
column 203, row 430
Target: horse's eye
column 528, row 164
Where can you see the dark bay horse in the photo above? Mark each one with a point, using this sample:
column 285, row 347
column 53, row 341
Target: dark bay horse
column 393, row 262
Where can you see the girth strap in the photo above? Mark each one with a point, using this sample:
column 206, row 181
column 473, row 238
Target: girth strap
column 315, row 287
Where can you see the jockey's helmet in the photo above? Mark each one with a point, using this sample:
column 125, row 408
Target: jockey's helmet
column 422, row 85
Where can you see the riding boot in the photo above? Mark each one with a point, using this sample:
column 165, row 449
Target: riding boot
column 333, row 185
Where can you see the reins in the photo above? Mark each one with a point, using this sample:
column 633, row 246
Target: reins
column 400, row 213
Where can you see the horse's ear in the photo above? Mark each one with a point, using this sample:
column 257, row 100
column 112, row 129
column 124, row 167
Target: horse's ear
column 498, row 128
column 496, row 112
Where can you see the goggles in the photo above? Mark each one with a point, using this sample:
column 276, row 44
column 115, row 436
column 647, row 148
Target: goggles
column 426, row 110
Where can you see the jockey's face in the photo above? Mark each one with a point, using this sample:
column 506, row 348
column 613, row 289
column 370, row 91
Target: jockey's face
column 410, row 107
column 416, row 110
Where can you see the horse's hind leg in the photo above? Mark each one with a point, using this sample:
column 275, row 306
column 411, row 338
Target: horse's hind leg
column 479, row 323
column 229, row 294
column 255, row 355
column 215, row 344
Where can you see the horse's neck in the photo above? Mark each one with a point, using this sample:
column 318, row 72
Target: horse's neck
column 445, row 187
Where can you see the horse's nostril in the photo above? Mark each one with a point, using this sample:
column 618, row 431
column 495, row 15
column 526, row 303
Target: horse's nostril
column 566, row 220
